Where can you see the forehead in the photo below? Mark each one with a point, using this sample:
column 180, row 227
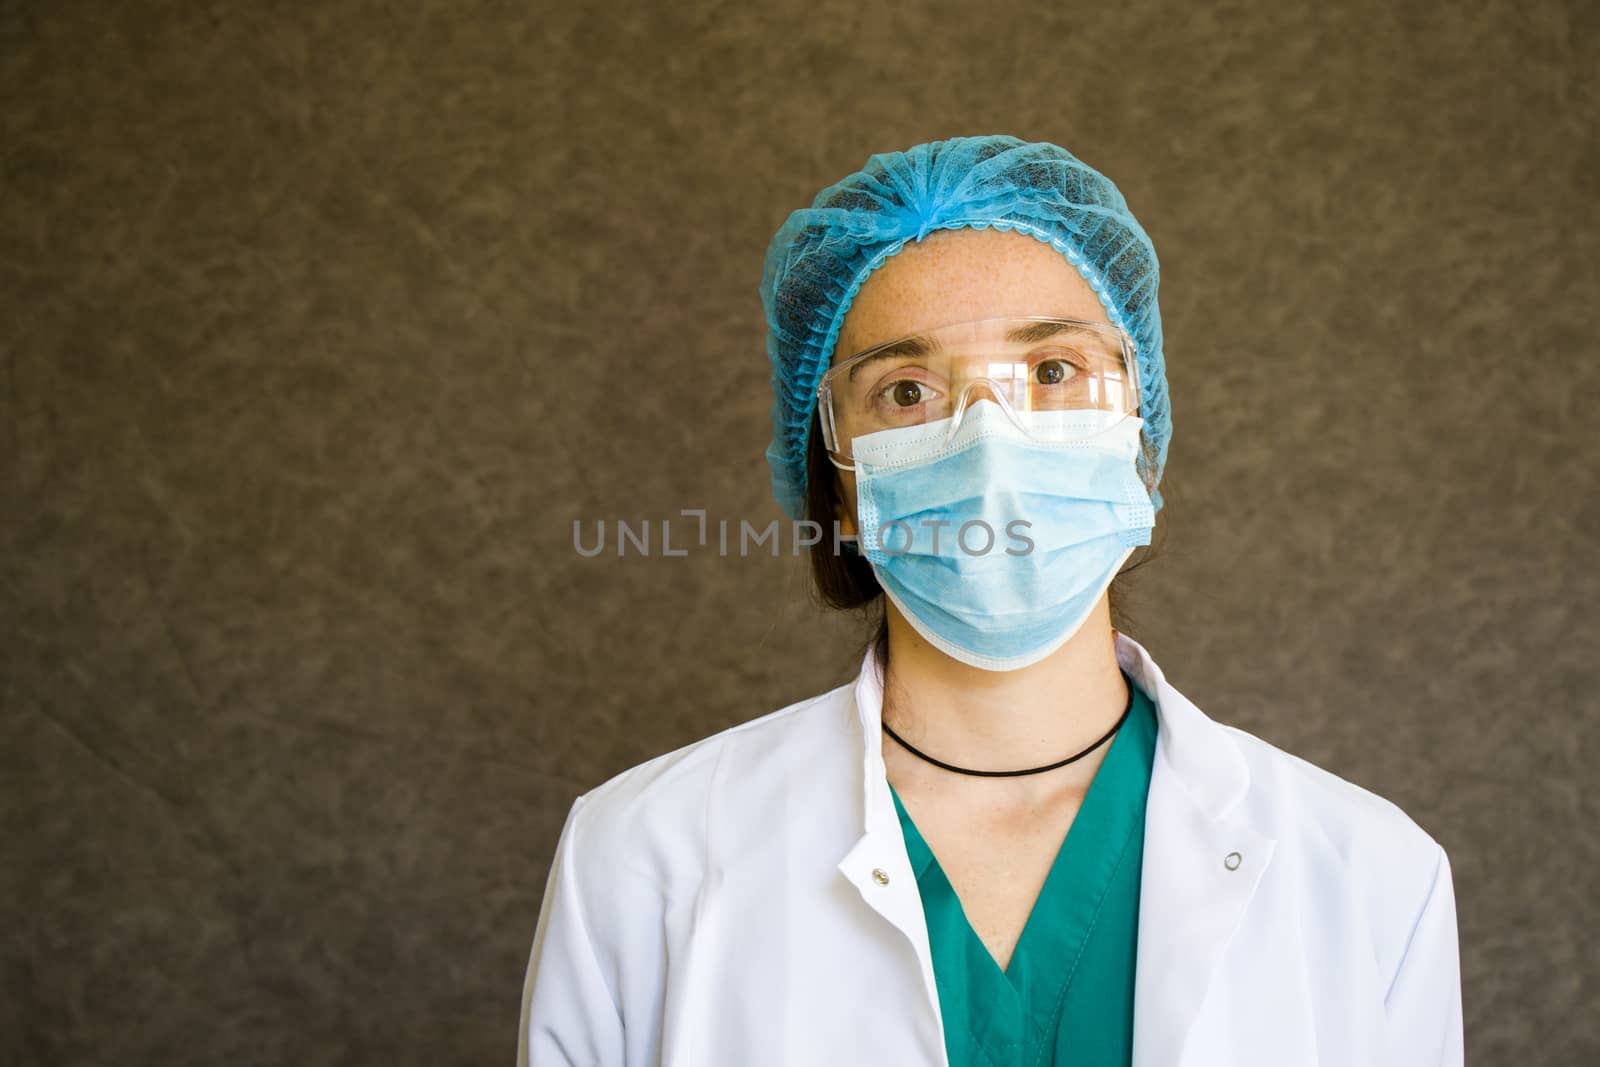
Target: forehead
column 961, row 275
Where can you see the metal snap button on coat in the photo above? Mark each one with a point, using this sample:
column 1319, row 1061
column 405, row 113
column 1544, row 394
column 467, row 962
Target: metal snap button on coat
column 1232, row 861
column 880, row 876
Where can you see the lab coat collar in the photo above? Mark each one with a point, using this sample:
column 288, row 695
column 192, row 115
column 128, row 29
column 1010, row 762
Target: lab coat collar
column 1195, row 748
column 1203, row 857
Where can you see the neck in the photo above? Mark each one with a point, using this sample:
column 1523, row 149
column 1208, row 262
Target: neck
column 1005, row 720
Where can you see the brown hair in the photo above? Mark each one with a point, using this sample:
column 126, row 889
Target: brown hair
column 845, row 581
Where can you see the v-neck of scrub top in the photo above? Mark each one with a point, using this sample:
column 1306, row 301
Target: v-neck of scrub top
column 1066, row 996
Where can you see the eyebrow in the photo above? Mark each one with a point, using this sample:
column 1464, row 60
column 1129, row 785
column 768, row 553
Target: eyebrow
column 1038, row 331
column 918, row 345
column 921, row 345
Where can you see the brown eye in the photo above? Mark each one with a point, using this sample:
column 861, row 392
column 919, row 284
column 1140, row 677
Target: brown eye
column 907, row 394
column 1052, row 372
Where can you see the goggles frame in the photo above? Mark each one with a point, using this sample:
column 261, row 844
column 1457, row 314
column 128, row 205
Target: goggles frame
column 824, row 396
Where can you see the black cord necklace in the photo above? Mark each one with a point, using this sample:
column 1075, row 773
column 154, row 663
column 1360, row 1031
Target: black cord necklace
column 1015, row 774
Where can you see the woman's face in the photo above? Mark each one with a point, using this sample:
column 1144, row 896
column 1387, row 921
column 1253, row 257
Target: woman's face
column 958, row 276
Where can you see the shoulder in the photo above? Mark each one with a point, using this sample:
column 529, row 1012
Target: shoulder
column 1355, row 852
column 654, row 818
column 1330, row 811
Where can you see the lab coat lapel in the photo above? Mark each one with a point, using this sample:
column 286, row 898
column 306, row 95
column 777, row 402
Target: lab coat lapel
column 878, row 864
column 1202, row 863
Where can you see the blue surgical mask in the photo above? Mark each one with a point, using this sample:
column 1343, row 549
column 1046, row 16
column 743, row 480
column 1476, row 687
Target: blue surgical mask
column 996, row 543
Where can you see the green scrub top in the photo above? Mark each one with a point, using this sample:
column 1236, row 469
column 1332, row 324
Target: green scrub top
column 1066, row 997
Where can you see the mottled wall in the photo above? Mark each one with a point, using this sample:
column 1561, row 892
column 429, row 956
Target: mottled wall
column 319, row 323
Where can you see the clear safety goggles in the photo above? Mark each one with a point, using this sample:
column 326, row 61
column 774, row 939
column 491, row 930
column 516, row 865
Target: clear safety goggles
column 1028, row 365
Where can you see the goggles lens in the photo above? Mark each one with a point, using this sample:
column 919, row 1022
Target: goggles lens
column 1028, row 365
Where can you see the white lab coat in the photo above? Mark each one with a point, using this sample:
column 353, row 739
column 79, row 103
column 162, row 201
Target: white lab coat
column 746, row 901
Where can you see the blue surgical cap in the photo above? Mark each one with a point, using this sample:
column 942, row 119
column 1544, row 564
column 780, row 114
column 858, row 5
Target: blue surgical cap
column 822, row 254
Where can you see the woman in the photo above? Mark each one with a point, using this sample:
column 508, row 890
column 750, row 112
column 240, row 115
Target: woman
column 1010, row 840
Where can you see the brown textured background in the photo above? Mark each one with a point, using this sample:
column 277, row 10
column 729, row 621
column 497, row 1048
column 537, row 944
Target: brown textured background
column 319, row 326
